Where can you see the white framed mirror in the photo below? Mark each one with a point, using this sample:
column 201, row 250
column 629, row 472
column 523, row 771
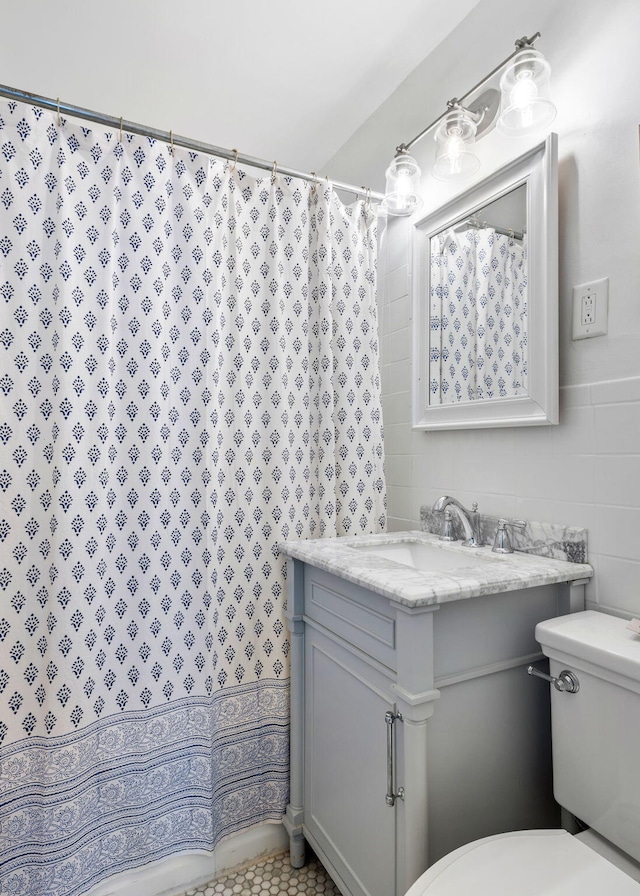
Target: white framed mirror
column 485, row 301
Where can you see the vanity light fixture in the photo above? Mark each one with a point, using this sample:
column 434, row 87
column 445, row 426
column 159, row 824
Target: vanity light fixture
column 522, row 106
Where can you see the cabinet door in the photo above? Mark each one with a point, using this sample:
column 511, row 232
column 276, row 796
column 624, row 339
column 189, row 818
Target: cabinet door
column 346, row 816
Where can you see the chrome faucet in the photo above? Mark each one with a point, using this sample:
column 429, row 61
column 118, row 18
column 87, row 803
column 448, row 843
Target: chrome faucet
column 468, row 518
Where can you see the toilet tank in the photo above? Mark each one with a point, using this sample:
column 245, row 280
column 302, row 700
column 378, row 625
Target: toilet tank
column 596, row 731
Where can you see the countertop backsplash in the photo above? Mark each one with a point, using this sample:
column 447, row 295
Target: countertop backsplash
column 542, row 539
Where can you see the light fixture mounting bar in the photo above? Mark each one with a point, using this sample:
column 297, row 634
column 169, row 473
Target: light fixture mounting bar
column 483, row 111
column 521, row 43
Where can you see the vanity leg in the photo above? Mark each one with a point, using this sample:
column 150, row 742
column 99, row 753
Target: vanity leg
column 297, row 844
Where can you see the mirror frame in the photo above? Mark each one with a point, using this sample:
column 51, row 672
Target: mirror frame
column 538, row 169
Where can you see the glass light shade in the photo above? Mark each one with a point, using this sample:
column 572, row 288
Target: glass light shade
column 455, row 139
column 526, row 102
column 402, row 193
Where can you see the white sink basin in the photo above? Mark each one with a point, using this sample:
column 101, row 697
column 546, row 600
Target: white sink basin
column 426, row 557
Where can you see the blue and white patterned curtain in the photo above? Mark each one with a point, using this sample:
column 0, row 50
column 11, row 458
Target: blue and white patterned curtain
column 478, row 340
column 189, row 376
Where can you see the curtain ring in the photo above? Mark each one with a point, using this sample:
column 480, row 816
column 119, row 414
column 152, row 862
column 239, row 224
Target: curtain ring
column 59, row 119
column 171, row 143
column 235, row 160
column 274, row 173
column 121, row 129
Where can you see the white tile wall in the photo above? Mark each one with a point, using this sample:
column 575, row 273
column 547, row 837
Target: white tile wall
column 583, row 472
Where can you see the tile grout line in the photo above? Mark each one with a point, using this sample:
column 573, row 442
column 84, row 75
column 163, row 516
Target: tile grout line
column 269, row 876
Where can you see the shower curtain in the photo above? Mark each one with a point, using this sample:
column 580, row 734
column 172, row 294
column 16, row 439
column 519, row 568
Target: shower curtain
column 478, row 321
column 189, row 376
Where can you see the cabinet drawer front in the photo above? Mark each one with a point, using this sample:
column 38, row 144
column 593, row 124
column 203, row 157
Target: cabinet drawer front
column 359, row 617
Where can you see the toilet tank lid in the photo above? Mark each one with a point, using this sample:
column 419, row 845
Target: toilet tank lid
column 595, row 638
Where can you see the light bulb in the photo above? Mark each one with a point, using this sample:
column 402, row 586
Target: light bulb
column 524, row 91
column 522, row 99
column 454, row 148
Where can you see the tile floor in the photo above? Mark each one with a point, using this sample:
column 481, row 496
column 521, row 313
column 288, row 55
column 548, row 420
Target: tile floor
column 270, row 877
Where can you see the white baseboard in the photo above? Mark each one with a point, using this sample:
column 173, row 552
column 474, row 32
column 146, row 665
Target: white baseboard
column 174, row 875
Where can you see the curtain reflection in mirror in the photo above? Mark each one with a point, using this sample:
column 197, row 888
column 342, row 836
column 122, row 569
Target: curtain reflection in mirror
column 478, row 321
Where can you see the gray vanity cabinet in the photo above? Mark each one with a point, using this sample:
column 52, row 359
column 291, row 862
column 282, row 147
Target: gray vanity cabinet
column 345, row 764
column 431, row 702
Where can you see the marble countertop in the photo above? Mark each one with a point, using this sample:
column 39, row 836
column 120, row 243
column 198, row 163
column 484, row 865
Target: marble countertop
column 485, row 573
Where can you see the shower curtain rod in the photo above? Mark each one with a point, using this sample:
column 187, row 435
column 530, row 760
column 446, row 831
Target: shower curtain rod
column 483, row 225
column 133, row 127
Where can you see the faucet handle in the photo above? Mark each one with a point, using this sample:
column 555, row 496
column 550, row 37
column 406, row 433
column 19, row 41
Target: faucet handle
column 502, row 542
column 447, row 529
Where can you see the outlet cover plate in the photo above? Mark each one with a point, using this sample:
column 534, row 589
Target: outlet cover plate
column 595, row 294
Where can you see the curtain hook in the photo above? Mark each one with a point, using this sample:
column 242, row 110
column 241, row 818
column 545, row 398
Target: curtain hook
column 314, row 188
column 171, row 143
column 274, row 173
column 121, row 129
column 59, row 119
column 235, row 159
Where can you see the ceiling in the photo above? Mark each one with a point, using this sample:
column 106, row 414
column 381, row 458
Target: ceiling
column 286, row 80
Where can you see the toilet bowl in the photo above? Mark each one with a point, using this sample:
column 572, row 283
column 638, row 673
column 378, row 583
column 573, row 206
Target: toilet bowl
column 595, row 733
column 525, row 863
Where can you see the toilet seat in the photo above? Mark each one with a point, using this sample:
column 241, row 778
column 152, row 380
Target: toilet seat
column 525, row 863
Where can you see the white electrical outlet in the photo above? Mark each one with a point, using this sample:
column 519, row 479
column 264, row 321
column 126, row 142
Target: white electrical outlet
column 590, row 309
